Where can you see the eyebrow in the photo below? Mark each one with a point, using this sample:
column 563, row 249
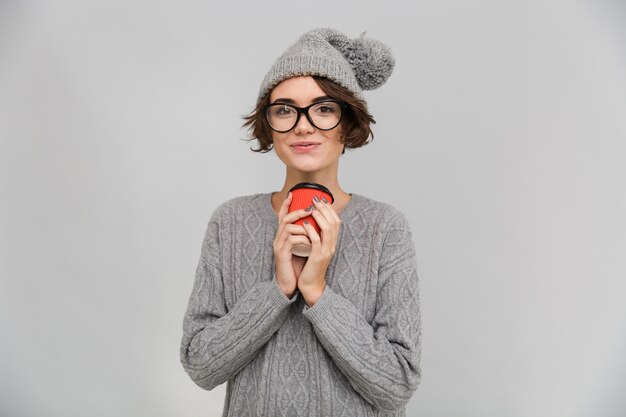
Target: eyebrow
column 290, row 101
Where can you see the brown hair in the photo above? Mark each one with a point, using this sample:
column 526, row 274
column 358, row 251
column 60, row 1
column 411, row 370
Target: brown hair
column 355, row 123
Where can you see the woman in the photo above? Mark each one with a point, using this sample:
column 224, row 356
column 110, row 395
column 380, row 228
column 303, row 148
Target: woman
column 339, row 332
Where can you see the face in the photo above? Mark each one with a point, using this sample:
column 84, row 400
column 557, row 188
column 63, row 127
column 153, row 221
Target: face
column 302, row 91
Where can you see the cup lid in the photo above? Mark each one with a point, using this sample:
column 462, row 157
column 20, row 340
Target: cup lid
column 316, row 186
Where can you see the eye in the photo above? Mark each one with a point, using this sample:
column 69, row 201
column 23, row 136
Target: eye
column 327, row 108
column 281, row 110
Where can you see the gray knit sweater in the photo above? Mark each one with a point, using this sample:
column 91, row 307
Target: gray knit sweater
column 355, row 352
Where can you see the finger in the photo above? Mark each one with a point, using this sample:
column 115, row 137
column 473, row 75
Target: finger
column 328, row 234
column 322, row 222
column 284, row 207
column 325, row 209
column 297, row 239
column 331, row 216
column 289, row 230
column 295, row 229
column 291, row 241
column 295, row 215
column 313, row 235
column 333, row 212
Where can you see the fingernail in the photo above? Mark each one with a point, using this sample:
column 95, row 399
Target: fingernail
column 316, row 198
column 306, row 222
column 308, row 208
column 324, row 200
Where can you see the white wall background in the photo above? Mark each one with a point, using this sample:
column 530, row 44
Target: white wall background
column 501, row 134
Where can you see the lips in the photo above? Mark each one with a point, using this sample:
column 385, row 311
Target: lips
column 303, row 147
column 304, row 144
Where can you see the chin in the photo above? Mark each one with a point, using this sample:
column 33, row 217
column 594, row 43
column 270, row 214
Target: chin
column 307, row 166
column 306, row 163
column 309, row 169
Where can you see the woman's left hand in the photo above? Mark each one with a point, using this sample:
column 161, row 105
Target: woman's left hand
column 312, row 280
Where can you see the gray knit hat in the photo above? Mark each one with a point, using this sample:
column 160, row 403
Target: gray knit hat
column 356, row 64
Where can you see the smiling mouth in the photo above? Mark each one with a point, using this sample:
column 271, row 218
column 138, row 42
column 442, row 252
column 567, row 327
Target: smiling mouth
column 305, row 148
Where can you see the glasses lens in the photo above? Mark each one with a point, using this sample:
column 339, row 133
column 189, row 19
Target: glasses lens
column 325, row 115
column 281, row 117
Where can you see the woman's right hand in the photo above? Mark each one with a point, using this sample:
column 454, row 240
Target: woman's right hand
column 287, row 236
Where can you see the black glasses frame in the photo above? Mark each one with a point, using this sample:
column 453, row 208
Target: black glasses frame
column 304, row 110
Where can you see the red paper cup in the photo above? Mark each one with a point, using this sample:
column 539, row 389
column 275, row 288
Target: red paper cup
column 302, row 197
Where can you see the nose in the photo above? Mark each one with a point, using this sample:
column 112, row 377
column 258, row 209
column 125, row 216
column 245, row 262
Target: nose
column 303, row 125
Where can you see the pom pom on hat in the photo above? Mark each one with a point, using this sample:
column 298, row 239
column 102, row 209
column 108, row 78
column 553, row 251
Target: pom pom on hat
column 371, row 60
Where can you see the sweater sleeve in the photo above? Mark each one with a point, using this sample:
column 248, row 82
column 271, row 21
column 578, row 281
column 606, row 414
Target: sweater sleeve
column 217, row 342
column 380, row 360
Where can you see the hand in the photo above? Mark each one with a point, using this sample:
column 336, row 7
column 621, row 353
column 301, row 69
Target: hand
column 312, row 280
column 288, row 266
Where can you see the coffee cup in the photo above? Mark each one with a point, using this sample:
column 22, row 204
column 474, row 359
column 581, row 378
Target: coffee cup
column 302, row 197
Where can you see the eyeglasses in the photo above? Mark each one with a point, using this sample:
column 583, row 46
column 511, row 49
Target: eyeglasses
column 324, row 115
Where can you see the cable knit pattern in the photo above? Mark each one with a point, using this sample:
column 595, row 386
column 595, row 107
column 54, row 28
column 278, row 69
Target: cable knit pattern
column 355, row 352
